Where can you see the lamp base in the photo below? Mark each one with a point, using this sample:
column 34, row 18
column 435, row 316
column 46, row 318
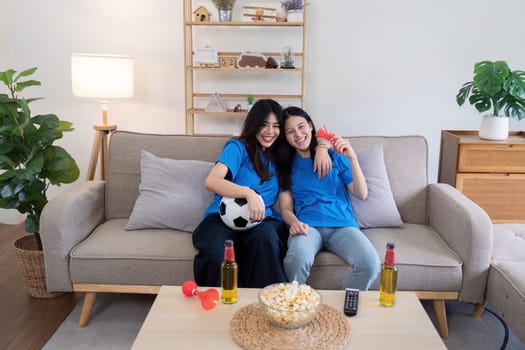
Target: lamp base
column 100, row 148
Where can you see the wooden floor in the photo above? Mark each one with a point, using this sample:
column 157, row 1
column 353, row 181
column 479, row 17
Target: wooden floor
column 25, row 322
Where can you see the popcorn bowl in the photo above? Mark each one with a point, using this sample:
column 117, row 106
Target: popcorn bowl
column 289, row 305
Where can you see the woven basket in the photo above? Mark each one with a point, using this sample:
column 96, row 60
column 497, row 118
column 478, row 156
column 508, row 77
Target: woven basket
column 30, row 261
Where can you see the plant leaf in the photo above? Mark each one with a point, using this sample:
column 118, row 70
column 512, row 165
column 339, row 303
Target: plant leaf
column 8, row 191
column 59, row 166
column 7, row 76
column 514, row 108
column 490, row 76
column 65, row 126
column 23, row 84
column 50, row 119
column 480, row 100
column 25, row 73
column 6, row 161
column 515, row 84
column 464, row 92
column 31, row 223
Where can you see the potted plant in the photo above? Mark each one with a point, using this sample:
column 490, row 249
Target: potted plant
column 29, row 163
column 225, row 8
column 287, row 58
column 497, row 87
column 250, row 99
column 294, row 10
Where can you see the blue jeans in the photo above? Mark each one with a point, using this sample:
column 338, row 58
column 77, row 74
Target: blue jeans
column 348, row 243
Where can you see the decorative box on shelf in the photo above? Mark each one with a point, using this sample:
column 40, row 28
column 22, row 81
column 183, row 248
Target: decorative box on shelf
column 491, row 173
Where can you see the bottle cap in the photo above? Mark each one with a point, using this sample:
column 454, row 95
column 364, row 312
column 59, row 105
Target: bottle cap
column 390, row 256
column 228, row 250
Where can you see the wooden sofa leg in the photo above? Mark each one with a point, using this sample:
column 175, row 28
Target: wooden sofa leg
column 441, row 316
column 89, row 300
column 478, row 310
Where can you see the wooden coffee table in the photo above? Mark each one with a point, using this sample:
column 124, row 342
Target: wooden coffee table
column 179, row 322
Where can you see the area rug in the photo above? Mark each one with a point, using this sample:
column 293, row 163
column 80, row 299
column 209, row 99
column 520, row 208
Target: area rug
column 116, row 319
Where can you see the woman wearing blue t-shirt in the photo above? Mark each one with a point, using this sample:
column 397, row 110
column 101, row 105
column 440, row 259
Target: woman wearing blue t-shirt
column 245, row 168
column 319, row 211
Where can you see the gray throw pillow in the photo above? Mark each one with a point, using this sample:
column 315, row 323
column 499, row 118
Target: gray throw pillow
column 171, row 194
column 379, row 208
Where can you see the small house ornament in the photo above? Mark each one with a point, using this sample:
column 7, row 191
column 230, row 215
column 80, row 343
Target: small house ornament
column 201, row 14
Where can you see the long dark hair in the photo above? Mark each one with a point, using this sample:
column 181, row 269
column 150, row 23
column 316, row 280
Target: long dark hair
column 286, row 152
column 253, row 123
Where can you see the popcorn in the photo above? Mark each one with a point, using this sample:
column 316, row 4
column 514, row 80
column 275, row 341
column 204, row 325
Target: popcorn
column 290, row 305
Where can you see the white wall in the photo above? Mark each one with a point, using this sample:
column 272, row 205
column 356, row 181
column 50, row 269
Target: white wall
column 373, row 67
column 3, row 34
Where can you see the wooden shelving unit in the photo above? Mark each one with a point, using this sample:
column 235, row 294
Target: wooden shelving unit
column 193, row 92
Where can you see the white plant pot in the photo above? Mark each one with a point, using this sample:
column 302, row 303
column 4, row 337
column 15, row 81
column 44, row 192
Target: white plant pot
column 494, row 127
column 294, row 16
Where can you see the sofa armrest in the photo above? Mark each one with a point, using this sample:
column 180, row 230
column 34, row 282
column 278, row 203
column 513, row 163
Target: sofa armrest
column 467, row 229
column 66, row 221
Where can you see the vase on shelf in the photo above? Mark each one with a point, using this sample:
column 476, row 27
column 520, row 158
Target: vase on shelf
column 225, row 15
column 294, row 16
column 494, row 127
column 281, row 15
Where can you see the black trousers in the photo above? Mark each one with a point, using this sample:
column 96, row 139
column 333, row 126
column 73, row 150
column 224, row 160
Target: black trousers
column 259, row 252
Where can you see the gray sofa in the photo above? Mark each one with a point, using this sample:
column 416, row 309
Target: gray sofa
column 506, row 281
column 443, row 246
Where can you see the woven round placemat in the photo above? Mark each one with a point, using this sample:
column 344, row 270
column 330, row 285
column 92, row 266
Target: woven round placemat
column 328, row 330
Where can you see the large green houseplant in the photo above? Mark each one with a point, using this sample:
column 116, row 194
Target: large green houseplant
column 498, row 89
column 29, row 163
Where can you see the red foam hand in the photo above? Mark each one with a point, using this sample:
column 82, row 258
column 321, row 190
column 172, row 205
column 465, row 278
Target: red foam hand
column 324, row 134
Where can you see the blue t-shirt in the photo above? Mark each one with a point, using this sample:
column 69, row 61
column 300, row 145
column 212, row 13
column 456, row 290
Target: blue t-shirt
column 241, row 172
column 322, row 202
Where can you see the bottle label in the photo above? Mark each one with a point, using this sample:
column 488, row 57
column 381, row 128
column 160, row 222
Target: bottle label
column 229, row 280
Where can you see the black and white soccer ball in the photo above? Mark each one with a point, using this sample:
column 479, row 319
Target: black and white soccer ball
column 235, row 213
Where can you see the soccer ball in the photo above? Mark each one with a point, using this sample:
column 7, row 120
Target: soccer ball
column 235, row 213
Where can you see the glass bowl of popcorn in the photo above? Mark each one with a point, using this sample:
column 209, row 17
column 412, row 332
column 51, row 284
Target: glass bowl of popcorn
column 289, row 305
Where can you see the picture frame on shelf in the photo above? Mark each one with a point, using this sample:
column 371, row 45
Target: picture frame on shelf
column 206, row 57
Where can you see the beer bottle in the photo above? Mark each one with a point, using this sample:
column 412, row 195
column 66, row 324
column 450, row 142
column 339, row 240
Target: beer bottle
column 229, row 271
column 387, row 289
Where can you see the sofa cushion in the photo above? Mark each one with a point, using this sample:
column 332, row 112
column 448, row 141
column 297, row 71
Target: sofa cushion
column 406, row 159
column 506, row 293
column 172, row 194
column 424, row 261
column 113, row 255
column 379, row 208
column 125, row 149
column 506, row 282
column 509, row 242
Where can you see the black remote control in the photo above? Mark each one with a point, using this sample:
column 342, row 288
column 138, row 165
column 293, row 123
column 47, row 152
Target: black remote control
column 351, row 301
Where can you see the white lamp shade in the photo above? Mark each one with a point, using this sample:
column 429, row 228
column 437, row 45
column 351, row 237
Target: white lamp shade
column 103, row 77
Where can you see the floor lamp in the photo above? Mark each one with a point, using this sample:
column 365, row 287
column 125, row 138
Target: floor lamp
column 104, row 78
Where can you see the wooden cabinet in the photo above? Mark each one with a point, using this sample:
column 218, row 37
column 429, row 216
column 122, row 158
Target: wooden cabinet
column 491, row 173
column 234, row 38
